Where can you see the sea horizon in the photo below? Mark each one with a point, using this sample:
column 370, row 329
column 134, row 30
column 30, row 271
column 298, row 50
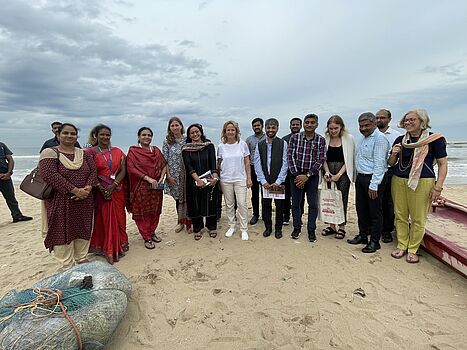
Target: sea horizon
column 26, row 159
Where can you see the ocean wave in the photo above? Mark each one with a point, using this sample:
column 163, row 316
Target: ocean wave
column 26, row 157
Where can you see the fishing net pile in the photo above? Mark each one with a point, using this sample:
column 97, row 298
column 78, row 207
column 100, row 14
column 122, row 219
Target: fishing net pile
column 76, row 309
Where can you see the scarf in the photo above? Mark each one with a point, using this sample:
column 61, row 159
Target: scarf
column 74, row 164
column 142, row 162
column 189, row 147
column 420, row 151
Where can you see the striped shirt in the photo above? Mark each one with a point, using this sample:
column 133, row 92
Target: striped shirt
column 372, row 154
column 306, row 156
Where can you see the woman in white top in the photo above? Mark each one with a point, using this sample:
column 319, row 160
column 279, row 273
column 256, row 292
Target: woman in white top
column 339, row 166
column 233, row 160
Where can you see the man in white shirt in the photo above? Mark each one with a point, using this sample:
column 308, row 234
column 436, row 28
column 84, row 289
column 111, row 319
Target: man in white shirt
column 270, row 161
column 383, row 119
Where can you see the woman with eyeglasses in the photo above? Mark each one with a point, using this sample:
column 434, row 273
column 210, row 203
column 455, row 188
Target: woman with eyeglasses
column 414, row 184
column 200, row 179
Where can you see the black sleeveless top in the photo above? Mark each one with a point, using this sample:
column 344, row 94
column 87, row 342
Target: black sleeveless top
column 335, row 154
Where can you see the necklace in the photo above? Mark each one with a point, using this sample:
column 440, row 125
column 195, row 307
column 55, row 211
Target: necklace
column 403, row 167
column 149, row 147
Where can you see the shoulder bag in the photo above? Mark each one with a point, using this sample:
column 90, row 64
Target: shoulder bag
column 34, row 185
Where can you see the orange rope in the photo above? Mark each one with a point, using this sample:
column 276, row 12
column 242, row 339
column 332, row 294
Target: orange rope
column 68, row 318
column 53, row 298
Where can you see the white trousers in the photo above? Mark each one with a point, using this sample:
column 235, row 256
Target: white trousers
column 238, row 190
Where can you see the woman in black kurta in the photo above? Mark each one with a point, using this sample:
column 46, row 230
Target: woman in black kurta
column 199, row 157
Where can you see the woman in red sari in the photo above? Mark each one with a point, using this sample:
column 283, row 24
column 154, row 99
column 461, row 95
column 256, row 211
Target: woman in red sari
column 146, row 167
column 109, row 237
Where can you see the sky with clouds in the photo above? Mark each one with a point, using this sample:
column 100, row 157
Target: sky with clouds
column 134, row 63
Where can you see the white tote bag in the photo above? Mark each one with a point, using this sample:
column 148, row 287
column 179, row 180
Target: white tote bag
column 331, row 206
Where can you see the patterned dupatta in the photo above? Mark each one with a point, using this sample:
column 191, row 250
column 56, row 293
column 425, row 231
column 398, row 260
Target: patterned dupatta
column 420, row 151
column 140, row 163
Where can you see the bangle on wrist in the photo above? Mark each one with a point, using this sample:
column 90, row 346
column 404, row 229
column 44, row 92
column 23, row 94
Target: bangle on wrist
column 437, row 189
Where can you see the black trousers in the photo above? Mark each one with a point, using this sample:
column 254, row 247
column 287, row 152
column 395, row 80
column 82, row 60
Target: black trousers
column 388, row 205
column 266, row 212
column 369, row 211
column 198, row 223
column 254, row 192
column 8, row 192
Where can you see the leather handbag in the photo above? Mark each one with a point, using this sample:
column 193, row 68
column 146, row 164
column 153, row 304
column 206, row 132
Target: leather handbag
column 35, row 186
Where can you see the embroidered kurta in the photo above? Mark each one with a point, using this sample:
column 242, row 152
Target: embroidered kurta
column 200, row 201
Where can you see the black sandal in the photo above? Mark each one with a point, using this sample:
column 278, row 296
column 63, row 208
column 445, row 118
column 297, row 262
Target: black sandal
column 155, row 239
column 340, row 234
column 149, row 244
column 328, row 231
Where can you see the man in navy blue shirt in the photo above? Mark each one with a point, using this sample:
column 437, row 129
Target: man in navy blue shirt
column 6, row 184
column 53, row 142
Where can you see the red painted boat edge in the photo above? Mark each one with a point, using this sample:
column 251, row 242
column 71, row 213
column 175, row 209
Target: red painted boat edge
column 446, row 251
column 443, row 249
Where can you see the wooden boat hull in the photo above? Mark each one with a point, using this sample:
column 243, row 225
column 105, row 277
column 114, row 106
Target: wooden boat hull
column 451, row 253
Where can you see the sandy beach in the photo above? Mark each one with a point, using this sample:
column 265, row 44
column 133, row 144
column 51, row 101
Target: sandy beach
column 225, row 293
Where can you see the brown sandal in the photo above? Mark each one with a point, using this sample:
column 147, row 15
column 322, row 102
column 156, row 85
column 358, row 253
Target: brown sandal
column 398, row 253
column 149, row 244
column 340, row 234
column 412, row 258
column 198, row 235
column 213, row 234
column 328, row 231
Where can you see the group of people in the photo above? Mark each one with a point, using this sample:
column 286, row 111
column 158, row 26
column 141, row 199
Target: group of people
column 394, row 176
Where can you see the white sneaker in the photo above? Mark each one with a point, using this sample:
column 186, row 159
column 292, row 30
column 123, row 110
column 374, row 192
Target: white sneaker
column 230, row 232
column 244, row 235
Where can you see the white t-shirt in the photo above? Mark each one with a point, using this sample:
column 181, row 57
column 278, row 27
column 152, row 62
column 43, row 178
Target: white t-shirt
column 232, row 168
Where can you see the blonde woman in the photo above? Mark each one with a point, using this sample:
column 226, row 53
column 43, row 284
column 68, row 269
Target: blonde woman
column 339, row 166
column 233, row 162
column 414, row 184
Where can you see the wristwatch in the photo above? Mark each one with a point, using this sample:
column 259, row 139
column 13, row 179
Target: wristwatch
column 11, row 172
column 308, row 174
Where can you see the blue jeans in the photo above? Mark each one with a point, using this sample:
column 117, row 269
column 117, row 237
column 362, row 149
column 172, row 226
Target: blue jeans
column 311, row 191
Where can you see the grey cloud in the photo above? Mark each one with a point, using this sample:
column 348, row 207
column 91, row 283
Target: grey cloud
column 221, row 46
column 451, row 70
column 71, row 65
column 187, row 43
column 203, row 4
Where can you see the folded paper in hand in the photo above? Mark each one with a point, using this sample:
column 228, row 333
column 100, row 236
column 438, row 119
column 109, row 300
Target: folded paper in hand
column 204, row 177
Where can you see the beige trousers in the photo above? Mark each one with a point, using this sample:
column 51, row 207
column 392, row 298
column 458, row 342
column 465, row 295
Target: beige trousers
column 238, row 190
column 75, row 252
